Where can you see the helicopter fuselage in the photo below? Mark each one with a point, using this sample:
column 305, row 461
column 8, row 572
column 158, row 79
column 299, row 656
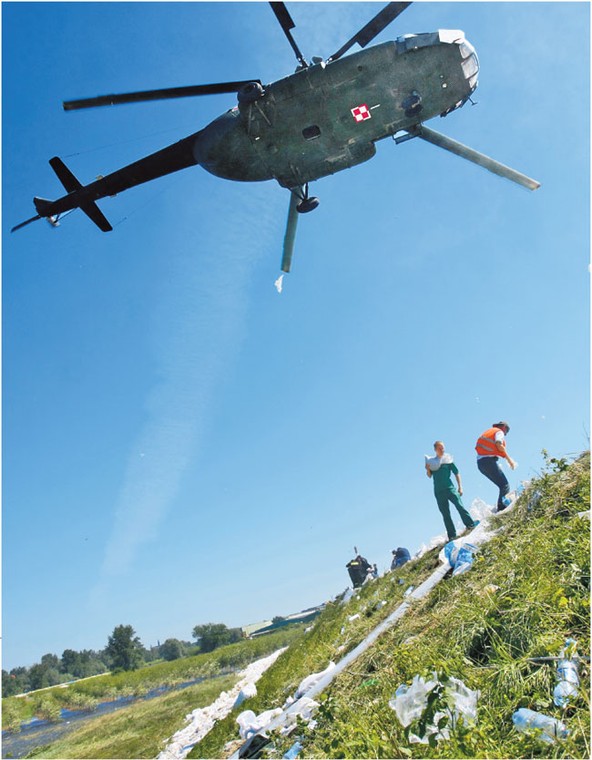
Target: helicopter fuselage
column 324, row 118
column 328, row 117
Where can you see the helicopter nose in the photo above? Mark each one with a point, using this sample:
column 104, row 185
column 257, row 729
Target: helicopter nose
column 469, row 63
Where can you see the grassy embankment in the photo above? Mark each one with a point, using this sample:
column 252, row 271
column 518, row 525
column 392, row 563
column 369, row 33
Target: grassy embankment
column 528, row 590
column 151, row 719
column 137, row 731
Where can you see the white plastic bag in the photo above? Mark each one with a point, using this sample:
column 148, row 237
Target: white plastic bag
column 479, row 510
column 464, row 559
column 459, row 555
column 410, row 702
column 432, row 543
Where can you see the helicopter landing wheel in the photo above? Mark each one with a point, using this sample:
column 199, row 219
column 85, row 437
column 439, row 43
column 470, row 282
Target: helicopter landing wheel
column 307, row 204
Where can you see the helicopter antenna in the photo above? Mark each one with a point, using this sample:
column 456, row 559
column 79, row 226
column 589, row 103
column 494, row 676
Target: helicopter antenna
column 285, row 20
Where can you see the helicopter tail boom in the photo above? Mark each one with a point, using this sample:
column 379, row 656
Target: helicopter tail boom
column 173, row 158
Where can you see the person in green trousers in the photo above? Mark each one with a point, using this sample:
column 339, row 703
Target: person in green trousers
column 441, row 468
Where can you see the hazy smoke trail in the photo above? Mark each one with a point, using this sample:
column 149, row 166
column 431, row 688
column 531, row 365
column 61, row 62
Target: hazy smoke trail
column 199, row 327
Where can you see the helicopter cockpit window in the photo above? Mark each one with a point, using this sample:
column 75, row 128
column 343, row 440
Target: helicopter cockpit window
column 466, row 49
column 311, row 133
column 470, row 66
column 470, row 63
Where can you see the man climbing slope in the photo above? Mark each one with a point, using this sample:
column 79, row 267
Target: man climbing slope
column 491, row 445
column 441, row 468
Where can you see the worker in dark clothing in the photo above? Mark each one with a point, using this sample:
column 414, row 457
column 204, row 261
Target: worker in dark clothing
column 358, row 569
column 400, row 556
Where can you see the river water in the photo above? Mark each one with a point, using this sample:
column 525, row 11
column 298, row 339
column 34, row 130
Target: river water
column 39, row 733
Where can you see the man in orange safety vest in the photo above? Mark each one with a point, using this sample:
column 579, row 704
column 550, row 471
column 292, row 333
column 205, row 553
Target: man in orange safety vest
column 490, row 446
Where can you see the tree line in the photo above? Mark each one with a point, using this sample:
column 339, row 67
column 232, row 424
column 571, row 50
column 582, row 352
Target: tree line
column 124, row 651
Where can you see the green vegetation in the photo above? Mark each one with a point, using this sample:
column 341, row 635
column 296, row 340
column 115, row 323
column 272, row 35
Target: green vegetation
column 124, row 649
column 86, row 694
column 528, row 590
column 172, row 649
column 214, row 635
column 53, row 670
column 137, row 731
column 331, row 638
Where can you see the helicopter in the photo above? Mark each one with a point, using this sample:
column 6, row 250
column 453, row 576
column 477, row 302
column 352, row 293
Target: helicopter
column 322, row 119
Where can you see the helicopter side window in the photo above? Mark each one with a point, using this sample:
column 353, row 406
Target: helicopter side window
column 311, row 133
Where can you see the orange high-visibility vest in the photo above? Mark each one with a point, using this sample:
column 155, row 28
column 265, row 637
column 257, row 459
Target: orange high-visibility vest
column 486, row 444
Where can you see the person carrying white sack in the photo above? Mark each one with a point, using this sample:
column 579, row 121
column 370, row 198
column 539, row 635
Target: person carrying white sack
column 441, row 468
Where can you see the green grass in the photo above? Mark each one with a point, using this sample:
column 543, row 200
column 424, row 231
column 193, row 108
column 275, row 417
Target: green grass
column 84, row 694
column 138, row 731
column 528, row 590
column 330, row 639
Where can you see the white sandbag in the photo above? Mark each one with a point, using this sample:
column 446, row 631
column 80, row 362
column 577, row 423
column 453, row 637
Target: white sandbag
column 250, row 724
column 307, row 683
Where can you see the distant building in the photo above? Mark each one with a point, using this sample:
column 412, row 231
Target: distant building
column 305, row 615
column 266, row 626
column 249, row 630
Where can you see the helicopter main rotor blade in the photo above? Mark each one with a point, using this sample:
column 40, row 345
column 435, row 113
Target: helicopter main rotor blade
column 285, row 21
column 162, row 94
column 442, row 141
column 290, row 233
column 373, row 28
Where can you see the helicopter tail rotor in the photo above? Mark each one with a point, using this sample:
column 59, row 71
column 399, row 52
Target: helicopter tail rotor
column 24, row 224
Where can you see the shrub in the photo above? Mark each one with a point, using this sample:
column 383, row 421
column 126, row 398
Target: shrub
column 49, row 709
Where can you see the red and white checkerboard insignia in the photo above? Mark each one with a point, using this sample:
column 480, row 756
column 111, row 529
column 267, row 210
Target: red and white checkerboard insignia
column 361, row 113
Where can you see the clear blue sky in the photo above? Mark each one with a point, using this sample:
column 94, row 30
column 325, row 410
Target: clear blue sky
column 181, row 443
